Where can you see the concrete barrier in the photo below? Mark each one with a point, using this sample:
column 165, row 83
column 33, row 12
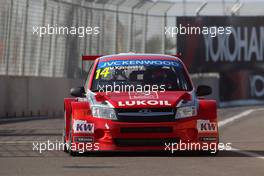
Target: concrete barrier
column 37, row 96
column 34, row 96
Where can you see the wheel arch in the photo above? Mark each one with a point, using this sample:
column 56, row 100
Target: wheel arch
column 208, row 109
column 67, row 115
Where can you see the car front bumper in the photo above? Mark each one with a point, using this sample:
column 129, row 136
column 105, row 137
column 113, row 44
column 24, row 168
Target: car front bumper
column 126, row 136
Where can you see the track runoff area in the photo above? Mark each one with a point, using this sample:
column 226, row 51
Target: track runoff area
column 240, row 126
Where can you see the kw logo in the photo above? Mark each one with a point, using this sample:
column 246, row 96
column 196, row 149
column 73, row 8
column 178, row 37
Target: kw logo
column 206, row 126
column 81, row 126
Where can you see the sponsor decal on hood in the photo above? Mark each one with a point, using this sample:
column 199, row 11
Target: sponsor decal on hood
column 139, row 100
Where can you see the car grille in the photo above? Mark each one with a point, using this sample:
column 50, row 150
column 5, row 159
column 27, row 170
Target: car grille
column 144, row 142
column 146, row 130
column 146, row 115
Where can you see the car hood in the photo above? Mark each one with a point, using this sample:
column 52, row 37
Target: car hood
column 143, row 100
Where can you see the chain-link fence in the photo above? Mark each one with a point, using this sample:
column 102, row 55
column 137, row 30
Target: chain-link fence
column 136, row 26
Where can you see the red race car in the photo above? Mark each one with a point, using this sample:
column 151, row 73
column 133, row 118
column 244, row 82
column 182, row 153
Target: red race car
column 139, row 102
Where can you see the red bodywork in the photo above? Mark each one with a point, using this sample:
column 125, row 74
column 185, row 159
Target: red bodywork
column 112, row 135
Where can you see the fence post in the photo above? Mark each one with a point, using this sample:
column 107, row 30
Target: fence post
column 25, row 40
column 146, row 26
column 176, row 46
column 164, row 38
column 90, row 36
column 102, row 31
column 41, row 39
column 116, row 24
column 85, row 36
column 131, row 36
column 9, row 24
column 55, row 19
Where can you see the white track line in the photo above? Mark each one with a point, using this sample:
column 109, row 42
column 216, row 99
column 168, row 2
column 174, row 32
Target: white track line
column 251, row 154
column 236, row 117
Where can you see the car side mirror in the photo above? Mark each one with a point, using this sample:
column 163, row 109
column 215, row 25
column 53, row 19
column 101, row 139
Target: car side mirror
column 203, row 90
column 78, row 92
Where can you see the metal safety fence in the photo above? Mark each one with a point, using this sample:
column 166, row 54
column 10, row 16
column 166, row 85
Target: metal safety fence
column 124, row 26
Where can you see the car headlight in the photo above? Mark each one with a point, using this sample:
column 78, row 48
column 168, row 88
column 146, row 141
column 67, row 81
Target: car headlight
column 104, row 112
column 186, row 111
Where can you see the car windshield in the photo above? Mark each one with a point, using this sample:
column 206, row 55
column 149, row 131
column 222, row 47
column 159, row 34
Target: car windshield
column 126, row 74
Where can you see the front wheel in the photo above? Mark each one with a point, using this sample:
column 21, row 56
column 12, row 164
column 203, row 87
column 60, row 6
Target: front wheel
column 71, row 152
column 65, row 145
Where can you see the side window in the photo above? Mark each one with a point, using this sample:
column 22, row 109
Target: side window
column 89, row 75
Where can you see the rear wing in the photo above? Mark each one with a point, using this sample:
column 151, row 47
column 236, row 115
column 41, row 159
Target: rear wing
column 90, row 58
column 179, row 55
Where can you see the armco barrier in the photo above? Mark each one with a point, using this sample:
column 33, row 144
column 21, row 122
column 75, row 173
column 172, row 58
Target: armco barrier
column 37, row 96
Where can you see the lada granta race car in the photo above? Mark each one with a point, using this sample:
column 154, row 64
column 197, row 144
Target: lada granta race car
column 138, row 102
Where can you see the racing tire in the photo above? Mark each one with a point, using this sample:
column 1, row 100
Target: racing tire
column 65, row 145
column 209, row 153
column 71, row 152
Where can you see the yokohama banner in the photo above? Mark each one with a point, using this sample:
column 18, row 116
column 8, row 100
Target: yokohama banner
column 233, row 47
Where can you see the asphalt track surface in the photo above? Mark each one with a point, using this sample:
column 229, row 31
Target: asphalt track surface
column 244, row 129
